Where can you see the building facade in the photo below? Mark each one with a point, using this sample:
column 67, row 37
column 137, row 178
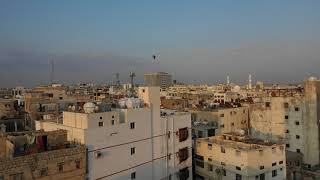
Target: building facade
column 161, row 79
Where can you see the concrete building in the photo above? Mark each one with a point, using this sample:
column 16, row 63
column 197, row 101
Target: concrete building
column 161, row 79
column 291, row 116
column 231, row 156
column 134, row 141
column 41, row 155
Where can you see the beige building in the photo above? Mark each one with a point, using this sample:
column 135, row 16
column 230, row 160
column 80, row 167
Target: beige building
column 134, row 141
column 293, row 117
column 225, row 119
column 41, row 155
column 161, row 79
column 231, row 156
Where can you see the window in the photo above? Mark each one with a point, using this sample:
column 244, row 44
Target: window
column 261, row 167
column 143, row 90
column 60, row 167
column 112, row 122
column 221, row 115
column 199, row 164
column 274, row 173
column 209, row 159
column 44, row 172
column 286, row 105
column 60, row 98
column 238, row 153
column 223, row 150
column 286, row 117
column 112, row 116
column 274, row 164
column 297, row 137
column 287, row 145
column 183, row 134
column 274, row 150
column 78, row 164
column 133, row 175
column 100, row 117
column 298, row 150
column 132, row 125
column 100, row 124
column 238, row 168
column 210, row 146
column 232, row 124
column 222, row 125
column 297, row 123
column 200, row 134
column 262, row 176
column 210, row 167
column 267, row 104
column 223, row 164
column 133, row 150
column 238, row 177
column 280, row 162
column 224, row 172
column 297, row 163
column 296, row 109
column 287, row 131
column 183, row 154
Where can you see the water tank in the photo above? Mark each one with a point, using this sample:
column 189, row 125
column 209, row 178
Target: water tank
column 89, row 107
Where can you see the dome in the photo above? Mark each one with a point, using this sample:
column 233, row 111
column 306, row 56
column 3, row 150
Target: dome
column 312, row 78
column 89, row 107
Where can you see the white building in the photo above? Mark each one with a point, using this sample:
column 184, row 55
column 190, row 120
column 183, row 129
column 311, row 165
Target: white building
column 135, row 142
column 231, row 156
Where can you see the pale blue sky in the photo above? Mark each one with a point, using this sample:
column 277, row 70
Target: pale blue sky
column 198, row 41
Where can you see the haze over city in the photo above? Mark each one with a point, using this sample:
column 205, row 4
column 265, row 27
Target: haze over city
column 197, row 42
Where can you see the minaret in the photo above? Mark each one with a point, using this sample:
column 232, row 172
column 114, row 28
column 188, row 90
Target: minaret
column 228, row 80
column 250, row 82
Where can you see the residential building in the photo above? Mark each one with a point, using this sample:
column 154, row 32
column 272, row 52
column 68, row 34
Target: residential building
column 134, row 141
column 233, row 156
column 41, row 155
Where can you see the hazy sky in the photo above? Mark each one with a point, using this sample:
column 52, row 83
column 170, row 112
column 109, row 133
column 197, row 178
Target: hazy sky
column 198, row 41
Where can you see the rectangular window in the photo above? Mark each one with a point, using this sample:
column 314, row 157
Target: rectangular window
column 133, row 150
column 200, row 134
column 78, row 164
column 267, row 104
column 224, row 172
column 232, row 124
column 274, row 164
column 210, row 167
column 298, row 150
column 133, row 175
column 286, row 117
column 132, row 125
column 286, row 105
column 297, row 123
column 210, row 159
column 296, row 109
column 297, row 137
column 287, row 145
column 60, row 167
column 274, row 173
column 112, row 122
column 262, row 176
column 261, row 167
column 200, row 164
column 280, row 162
column 210, row 146
column 221, row 115
column 238, row 177
column 183, row 134
column 100, row 124
column 238, row 168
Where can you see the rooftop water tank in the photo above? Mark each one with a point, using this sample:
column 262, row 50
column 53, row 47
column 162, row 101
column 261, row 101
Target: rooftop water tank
column 89, row 107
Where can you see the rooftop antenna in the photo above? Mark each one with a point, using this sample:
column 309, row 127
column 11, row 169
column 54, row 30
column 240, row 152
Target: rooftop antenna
column 52, row 71
column 250, row 82
column 228, row 80
column 132, row 75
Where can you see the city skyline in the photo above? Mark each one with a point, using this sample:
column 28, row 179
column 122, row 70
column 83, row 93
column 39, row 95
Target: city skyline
column 197, row 42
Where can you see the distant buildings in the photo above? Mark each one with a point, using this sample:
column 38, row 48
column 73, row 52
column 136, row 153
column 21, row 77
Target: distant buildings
column 133, row 141
column 161, row 79
column 41, row 155
column 238, row 157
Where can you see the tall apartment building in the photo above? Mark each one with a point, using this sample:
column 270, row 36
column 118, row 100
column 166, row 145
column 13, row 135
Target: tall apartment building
column 135, row 141
column 232, row 156
column 41, row 155
column 161, row 79
column 293, row 117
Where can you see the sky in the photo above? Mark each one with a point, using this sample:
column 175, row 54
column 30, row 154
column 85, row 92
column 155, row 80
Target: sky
column 196, row 41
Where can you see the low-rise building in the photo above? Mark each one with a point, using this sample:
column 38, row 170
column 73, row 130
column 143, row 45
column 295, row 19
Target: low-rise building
column 41, row 155
column 232, row 156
